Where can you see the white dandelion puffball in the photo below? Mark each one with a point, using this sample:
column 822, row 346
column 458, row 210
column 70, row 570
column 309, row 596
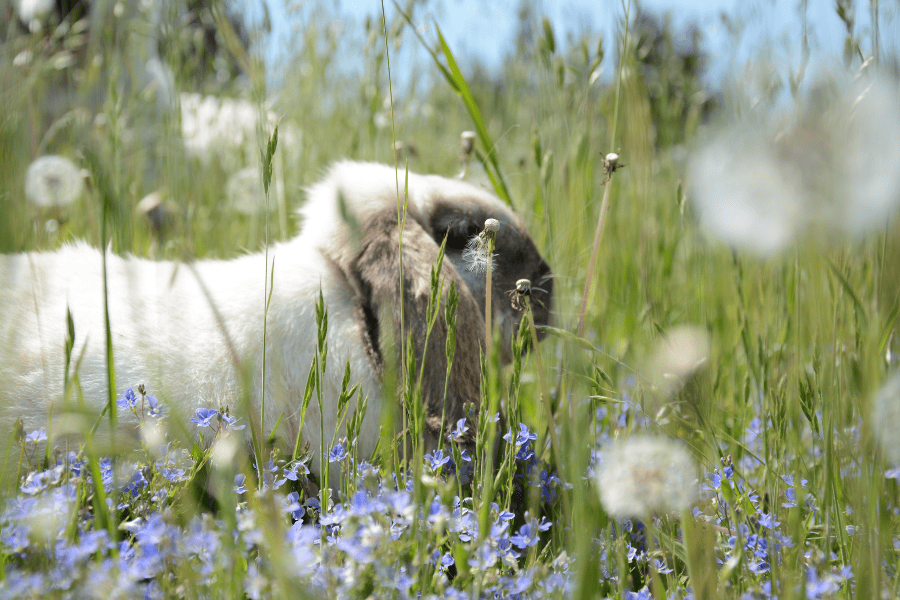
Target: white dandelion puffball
column 645, row 475
column 679, row 354
column 245, row 192
column 831, row 166
column 53, row 182
column 226, row 128
column 33, row 12
column 886, row 418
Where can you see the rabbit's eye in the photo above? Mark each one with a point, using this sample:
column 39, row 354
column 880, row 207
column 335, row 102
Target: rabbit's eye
column 459, row 235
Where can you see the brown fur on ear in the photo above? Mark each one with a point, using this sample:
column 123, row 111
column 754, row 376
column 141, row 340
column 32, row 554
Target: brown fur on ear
column 375, row 275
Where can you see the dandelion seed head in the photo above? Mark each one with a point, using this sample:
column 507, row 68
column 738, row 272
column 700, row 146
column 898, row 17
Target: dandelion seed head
column 831, row 166
column 645, row 475
column 680, row 353
column 156, row 209
column 153, row 435
column 886, row 418
column 53, row 182
column 244, row 192
column 467, row 142
column 476, row 255
column 224, row 451
column 33, row 12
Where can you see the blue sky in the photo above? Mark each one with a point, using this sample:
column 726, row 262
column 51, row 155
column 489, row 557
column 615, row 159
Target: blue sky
column 485, row 29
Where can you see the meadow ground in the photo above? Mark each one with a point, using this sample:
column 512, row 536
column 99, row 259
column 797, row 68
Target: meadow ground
column 725, row 412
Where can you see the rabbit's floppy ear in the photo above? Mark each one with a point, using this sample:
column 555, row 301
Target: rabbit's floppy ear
column 374, row 272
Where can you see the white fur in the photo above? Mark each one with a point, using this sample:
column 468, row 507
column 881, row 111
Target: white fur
column 167, row 335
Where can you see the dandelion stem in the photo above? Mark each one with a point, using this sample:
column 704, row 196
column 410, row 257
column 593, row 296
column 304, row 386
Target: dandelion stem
column 604, row 209
column 656, row 588
column 604, row 206
column 548, row 411
column 487, row 294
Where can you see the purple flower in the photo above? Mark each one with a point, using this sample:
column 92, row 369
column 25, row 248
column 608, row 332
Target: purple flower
column 292, row 505
column 204, row 416
column 525, row 452
column 127, row 400
column 38, row 435
column 660, row 566
column 230, row 421
column 525, row 538
column 239, row 480
column 294, row 470
column 642, row 594
column 155, row 406
column 791, row 495
column 437, row 460
column 459, row 431
column 524, row 435
column 337, row 453
column 768, row 521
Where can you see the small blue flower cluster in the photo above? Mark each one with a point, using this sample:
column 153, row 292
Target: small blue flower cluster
column 389, row 535
column 366, row 538
column 55, row 543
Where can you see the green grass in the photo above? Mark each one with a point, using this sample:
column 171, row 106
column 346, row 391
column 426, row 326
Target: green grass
column 800, row 341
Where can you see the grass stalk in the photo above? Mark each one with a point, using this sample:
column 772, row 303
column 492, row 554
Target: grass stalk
column 610, row 169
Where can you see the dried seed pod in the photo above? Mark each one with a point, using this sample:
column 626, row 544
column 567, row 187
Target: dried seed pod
column 519, row 297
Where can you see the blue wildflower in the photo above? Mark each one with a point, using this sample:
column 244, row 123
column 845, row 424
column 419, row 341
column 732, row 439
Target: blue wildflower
column 642, row 594
column 769, row 521
column 437, row 460
column 229, row 421
column 204, row 416
column 155, row 406
column 660, row 566
column 127, row 400
column 505, row 515
column 791, row 495
column 239, row 480
column 337, row 453
column 526, row 537
column 459, row 431
column 524, row 435
column 292, row 505
column 525, row 452
column 38, row 435
column 294, row 470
